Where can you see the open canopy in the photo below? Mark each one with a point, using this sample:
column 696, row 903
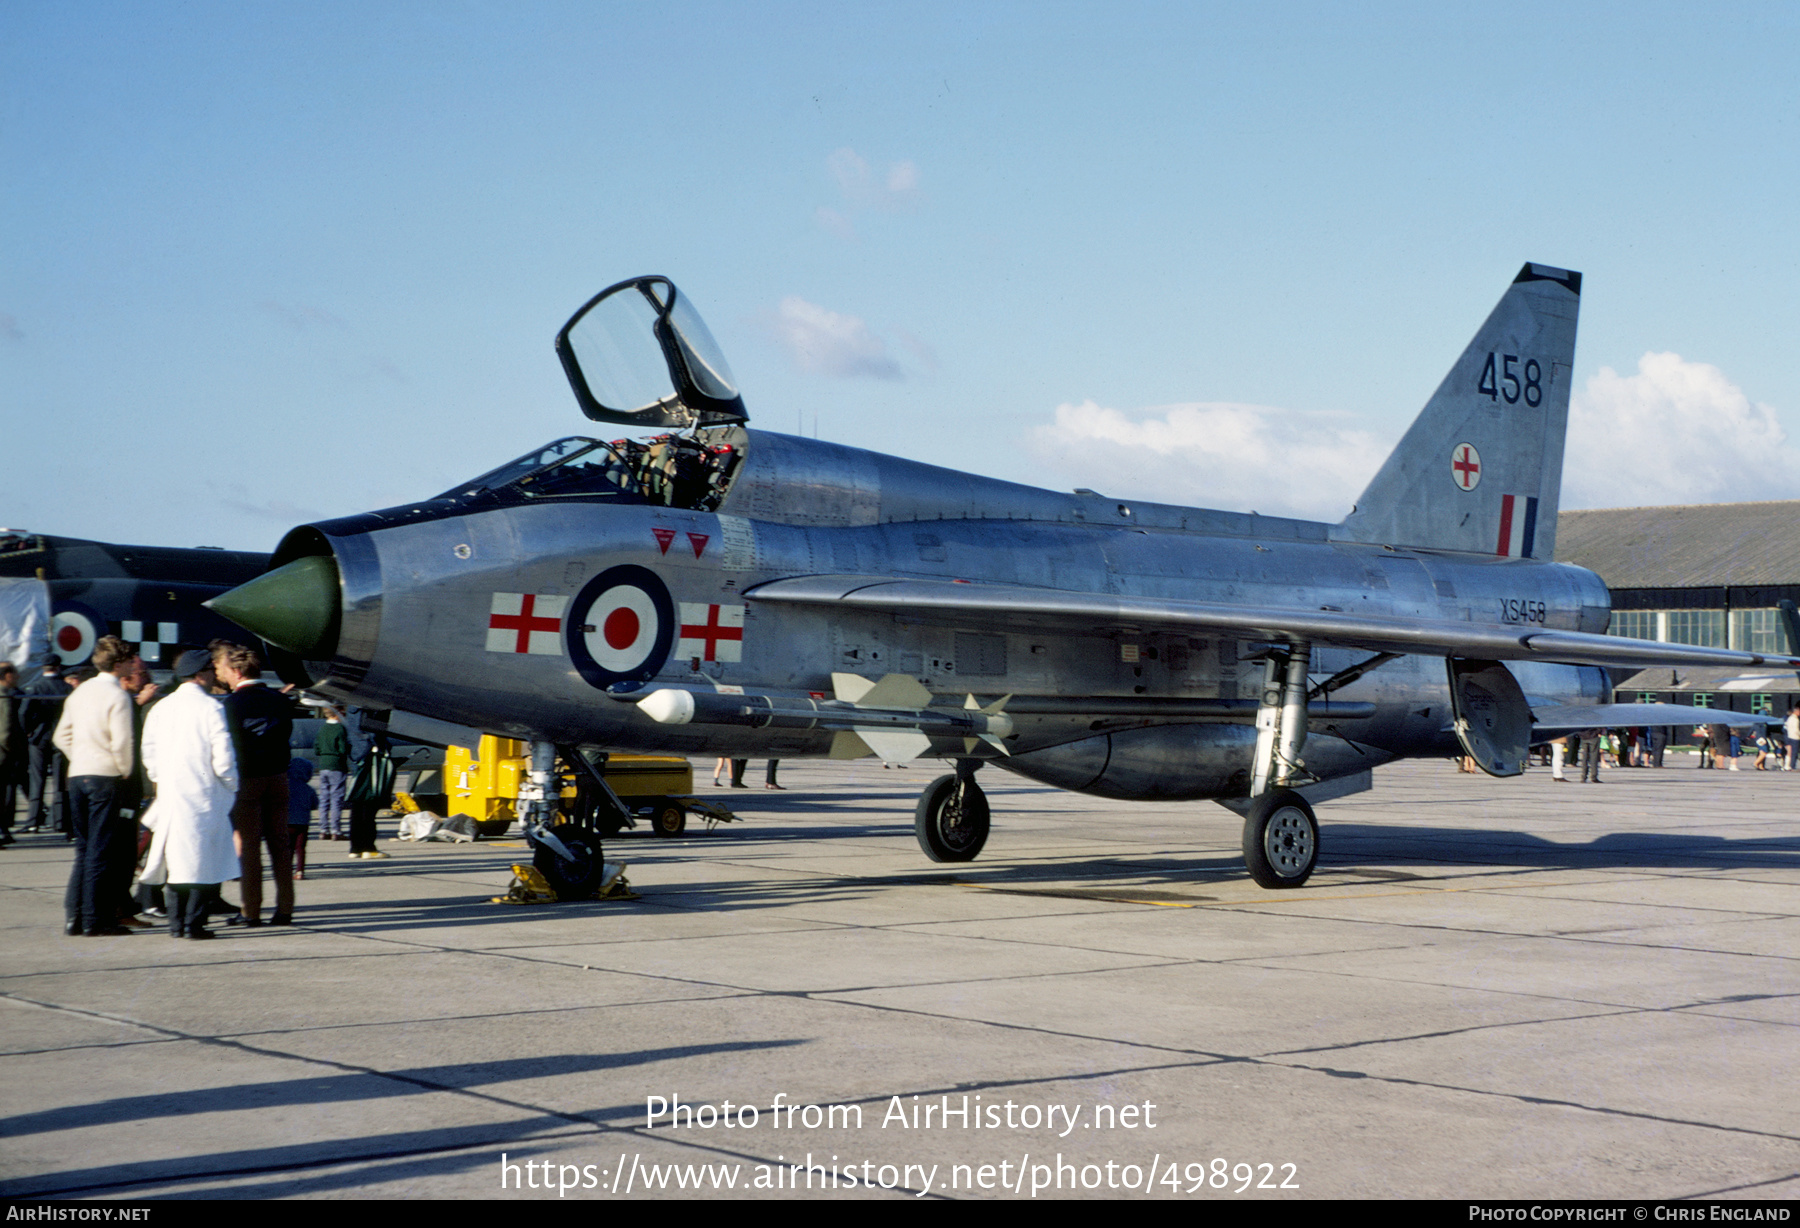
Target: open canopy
column 640, row 355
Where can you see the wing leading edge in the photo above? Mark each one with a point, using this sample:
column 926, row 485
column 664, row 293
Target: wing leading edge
column 1000, row 607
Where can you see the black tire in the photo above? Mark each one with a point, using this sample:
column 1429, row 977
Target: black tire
column 575, row 879
column 669, row 819
column 1281, row 840
column 951, row 822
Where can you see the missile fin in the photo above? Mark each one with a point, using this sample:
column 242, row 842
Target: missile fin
column 846, row 745
column 895, row 745
column 849, row 688
column 900, row 691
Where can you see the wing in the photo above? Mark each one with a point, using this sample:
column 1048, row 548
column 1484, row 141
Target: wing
column 1562, row 718
column 1002, row 607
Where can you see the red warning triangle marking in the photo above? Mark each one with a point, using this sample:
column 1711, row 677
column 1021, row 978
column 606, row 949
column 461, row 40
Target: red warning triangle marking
column 664, row 537
column 699, row 541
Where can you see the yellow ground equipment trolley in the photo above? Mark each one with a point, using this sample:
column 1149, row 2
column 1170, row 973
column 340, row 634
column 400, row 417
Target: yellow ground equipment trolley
column 483, row 783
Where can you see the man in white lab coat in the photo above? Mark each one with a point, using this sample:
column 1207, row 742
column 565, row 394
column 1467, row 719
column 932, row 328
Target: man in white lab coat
column 187, row 752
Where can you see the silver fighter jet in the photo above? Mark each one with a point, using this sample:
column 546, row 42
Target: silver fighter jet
column 717, row 590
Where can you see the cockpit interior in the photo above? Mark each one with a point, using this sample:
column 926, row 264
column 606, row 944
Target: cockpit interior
column 686, row 471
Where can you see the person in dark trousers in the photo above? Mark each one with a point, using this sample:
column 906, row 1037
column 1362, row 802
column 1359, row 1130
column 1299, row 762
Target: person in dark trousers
column 15, row 754
column 15, row 749
column 40, row 707
column 135, row 792
column 371, row 792
column 1720, row 737
column 95, row 735
column 1590, row 756
column 302, row 797
column 261, row 723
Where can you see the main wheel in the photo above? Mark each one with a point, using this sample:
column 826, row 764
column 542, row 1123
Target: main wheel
column 1281, row 840
column 668, row 819
column 952, row 819
column 577, row 878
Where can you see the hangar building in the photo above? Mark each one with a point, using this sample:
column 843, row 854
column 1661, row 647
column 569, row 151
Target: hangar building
column 1707, row 574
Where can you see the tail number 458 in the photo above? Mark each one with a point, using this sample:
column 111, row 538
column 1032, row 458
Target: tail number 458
column 1500, row 378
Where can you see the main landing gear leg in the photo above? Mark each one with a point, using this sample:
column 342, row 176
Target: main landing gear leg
column 1281, row 836
column 951, row 821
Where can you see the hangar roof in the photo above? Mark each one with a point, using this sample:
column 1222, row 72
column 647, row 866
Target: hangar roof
column 1689, row 546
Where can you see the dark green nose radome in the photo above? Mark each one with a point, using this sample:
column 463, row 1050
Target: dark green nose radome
column 296, row 607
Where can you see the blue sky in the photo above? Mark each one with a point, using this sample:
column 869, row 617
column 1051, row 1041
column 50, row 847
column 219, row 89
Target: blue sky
column 269, row 263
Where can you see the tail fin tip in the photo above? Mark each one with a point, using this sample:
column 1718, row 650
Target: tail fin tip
column 1570, row 281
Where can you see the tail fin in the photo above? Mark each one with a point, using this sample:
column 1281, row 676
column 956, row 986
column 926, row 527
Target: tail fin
column 1481, row 467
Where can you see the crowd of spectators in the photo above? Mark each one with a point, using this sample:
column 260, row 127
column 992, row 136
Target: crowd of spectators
column 1774, row 746
column 197, row 781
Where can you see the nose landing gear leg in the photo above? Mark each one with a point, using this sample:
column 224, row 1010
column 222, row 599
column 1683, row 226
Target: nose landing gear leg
column 568, row 855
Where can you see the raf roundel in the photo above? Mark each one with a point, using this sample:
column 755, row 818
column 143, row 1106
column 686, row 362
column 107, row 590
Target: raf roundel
column 621, row 627
column 74, row 630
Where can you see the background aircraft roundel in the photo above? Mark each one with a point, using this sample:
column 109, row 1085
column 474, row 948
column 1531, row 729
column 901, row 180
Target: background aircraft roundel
column 621, row 627
column 74, row 630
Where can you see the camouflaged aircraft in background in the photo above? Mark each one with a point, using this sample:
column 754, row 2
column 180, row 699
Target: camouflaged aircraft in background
column 719, row 590
column 152, row 596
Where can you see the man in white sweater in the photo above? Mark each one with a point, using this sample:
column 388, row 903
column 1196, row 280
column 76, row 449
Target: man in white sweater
column 95, row 736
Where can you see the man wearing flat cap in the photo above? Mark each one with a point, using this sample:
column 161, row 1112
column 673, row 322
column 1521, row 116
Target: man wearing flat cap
column 188, row 754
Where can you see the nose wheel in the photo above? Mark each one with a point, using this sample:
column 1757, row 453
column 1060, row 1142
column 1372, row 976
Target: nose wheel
column 578, row 876
column 1281, row 840
column 952, row 819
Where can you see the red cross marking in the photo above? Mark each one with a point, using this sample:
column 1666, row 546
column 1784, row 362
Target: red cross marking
column 711, row 631
column 1465, row 468
column 523, row 622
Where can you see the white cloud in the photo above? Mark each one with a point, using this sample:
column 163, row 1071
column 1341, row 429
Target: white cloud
column 922, row 352
column 299, row 317
column 239, row 498
column 864, row 189
column 1279, row 462
column 825, row 341
column 386, row 368
column 850, row 170
column 1676, row 432
column 837, row 223
column 902, row 180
